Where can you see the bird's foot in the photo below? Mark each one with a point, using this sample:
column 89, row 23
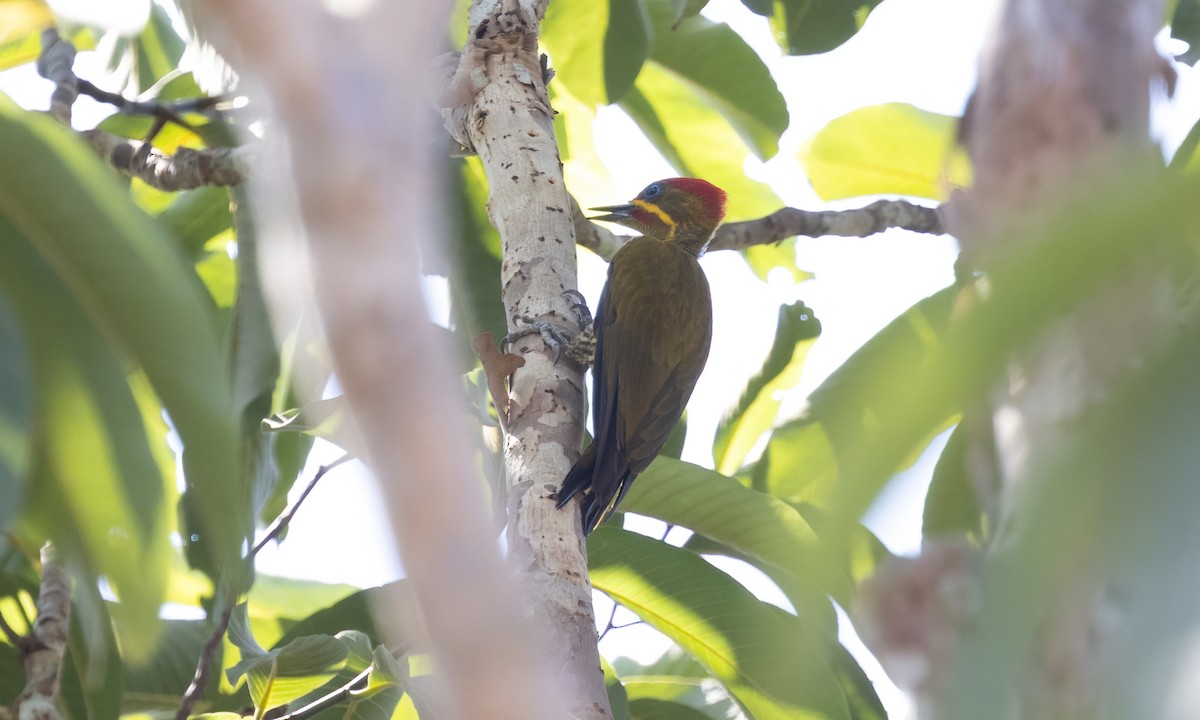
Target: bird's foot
column 580, row 348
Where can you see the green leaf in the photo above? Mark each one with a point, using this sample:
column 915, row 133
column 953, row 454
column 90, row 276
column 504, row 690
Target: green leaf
column 626, row 45
column 288, row 672
column 810, row 602
column 806, row 27
column 716, row 62
column 755, row 412
column 96, row 488
column 890, row 149
column 21, row 25
column 685, row 9
column 353, row 612
column 474, row 253
column 686, row 697
column 163, row 680
column 617, row 699
column 254, row 358
column 197, row 216
column 1185, row 25
column 950, row 504
column 765, row 659
column 653, row 709
column 16, row 414
column 157, row 49
column 860, row 691
column 804, row 458
column 751, row 522
column 322, row 418
column 133, row 283
column 597, row 73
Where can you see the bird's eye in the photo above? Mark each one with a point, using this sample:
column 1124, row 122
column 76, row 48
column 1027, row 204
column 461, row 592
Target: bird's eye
column 653, row 190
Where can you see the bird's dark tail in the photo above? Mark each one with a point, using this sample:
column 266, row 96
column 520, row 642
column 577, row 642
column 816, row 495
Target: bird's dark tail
column 579, row 478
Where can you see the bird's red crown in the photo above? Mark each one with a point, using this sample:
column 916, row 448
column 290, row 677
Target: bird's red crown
column 710, row 195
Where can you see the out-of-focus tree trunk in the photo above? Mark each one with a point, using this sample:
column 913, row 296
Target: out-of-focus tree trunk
column 349, row 93
column 1062, row 105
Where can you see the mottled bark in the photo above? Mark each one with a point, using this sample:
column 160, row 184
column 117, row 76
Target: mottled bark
column 496, row 105
column 46, row 644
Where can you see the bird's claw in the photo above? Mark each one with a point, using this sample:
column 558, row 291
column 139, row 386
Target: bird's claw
column 582, row 312
column 580, row 348
column 554, row 338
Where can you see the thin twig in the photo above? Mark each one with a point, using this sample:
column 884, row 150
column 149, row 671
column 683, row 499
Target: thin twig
column 203, row 665
column 281, row 522
column 609, row 625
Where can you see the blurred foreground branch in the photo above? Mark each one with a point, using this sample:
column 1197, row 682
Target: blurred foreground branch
column 364, row 170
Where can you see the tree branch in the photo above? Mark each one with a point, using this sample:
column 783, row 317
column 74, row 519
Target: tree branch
column 44, row 649
column 185, row 170
column 782, row 224
column 495, row 103
column 204, row 663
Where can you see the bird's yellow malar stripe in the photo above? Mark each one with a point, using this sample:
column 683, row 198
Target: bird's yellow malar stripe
column 659, row 213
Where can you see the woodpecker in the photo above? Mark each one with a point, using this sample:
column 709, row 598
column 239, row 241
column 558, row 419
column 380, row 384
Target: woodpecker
column 653, row 328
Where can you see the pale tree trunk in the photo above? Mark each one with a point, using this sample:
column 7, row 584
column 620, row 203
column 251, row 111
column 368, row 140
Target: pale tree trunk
column 496, row 104
column 349, row 94
column 1062, row 102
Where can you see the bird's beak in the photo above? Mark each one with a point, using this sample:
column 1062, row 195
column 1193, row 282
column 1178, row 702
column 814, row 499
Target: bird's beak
column 614, row 213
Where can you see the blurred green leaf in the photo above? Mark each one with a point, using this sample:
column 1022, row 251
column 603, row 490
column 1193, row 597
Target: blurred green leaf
column 21, row 24
column 890, row 149
column 597, row 73
column 667, row 696
column 684, row 9
column 1185, row 26
column 773, row 667
column 160, row 683
column 353, row 612
column 617, row 699
column 16, row 413
column 751, row 522
column 474, row 253
column 950, row 504
column 121, row 266
column 860, row 692
column 92, row 671
column 157, row 49
column 654, row 709
column 717, row 63
column 804, row 458
column 281, row 675
column 807, row 27
column 810, row 601
column 95, row 486
column 326, row 419
column 755, row 412
column 196, row 217
column 1055, row 268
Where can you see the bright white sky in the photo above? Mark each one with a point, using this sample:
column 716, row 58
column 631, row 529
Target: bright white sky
column 918, row 51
